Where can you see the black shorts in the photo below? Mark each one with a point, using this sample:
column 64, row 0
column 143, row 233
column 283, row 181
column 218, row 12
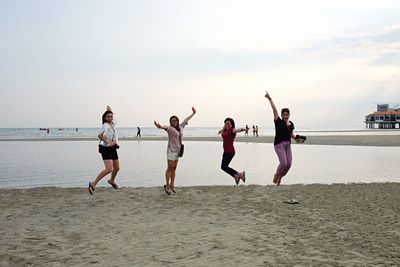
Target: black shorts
column 108, row 153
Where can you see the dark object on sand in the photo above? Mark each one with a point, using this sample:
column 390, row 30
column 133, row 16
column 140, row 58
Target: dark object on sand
column 291, row 201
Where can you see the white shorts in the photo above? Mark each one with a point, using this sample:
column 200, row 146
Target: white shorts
column 172, row 156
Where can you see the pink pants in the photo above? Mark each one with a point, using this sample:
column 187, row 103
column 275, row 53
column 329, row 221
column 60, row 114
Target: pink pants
column 284, row 153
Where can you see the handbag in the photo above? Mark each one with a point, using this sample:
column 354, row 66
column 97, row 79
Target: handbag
column 181, row 150
column 182, row 147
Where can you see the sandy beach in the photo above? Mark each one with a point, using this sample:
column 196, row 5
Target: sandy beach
column 348, row 140
column 333, row 225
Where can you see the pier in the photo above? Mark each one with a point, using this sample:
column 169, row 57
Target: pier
column 383, row 118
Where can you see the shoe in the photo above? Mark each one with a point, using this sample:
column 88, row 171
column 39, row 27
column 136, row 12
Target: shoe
column 114, row 185
column 243, row 176
column 278, row 181
column 237, row 179
column 173, row 190
column 91, row 188
column 276, row 177
column 166, row 191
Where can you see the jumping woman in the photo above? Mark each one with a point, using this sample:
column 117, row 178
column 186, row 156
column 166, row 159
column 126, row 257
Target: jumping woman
column 108, row 149
column 175, row 134
column 228, row 133
column 282, row 143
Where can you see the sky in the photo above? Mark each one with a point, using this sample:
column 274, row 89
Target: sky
column 330, row 62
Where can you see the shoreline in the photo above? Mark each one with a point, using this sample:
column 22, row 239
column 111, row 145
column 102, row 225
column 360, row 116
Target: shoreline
column 339, row 224
column 347, row 140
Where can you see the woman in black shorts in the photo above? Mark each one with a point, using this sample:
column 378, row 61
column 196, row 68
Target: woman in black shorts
column 108, row 149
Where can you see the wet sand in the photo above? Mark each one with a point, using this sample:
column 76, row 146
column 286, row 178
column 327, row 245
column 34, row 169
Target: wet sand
column 333, row 225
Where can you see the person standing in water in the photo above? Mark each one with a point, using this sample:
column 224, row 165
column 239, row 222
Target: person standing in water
column 108, row 149
column 139, row 134
column 246, row 131
column 175, row 133
column 228, row 133
column 282, row 142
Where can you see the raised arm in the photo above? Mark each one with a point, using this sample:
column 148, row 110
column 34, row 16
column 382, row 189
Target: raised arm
column 276, row 116
column 191, row 116
column 159, row 126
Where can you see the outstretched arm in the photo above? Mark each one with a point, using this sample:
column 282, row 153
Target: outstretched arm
column 159, row 126
column 191, row 116
column 276, row 116
column 238, row 130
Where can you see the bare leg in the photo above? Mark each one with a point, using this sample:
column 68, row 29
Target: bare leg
column 168, row 174
column 108, row 169
column 115, row 170
column 173, row 171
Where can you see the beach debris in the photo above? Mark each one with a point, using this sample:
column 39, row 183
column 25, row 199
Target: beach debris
column 291, row 201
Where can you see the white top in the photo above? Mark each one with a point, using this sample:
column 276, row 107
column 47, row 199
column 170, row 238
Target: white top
column 109, row 133
column 174, row 144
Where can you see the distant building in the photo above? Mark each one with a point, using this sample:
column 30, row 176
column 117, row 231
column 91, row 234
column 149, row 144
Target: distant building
column 383, row 118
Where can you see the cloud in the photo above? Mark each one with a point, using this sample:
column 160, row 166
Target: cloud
column 381, row 46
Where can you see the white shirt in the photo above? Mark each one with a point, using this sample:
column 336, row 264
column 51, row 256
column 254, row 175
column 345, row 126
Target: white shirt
column 109, row 133
column 174, row 144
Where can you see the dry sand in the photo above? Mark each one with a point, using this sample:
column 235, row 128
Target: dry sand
column 334, row 225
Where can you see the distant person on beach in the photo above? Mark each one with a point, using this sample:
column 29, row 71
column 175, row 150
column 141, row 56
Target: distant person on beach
column 282, row 142
column 228, row 133
column 108, row 149
column 48, row 130
column 256, row 130
column 246, row 131
column 174, row 148
column 138, row 132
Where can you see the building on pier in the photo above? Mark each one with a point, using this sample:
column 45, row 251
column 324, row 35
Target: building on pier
column 383, row 118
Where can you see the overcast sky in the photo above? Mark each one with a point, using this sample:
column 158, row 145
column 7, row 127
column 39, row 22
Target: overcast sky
column 330, row 62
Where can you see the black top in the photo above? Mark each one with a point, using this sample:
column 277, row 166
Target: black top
column 282, row 131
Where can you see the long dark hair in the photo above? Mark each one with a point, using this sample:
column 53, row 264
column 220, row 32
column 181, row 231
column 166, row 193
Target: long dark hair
column 178, row 128
column 103, row 118
column 231, row 121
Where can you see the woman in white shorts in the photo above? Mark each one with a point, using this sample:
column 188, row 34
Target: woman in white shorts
column 175, row 134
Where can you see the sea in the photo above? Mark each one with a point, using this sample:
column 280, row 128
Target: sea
column 127, row 132
column 26, row 163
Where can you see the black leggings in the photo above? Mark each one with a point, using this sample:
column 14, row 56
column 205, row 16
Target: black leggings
column 226, row 159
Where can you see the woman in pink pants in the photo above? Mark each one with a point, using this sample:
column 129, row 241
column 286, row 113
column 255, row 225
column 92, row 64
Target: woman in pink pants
column 282, row 143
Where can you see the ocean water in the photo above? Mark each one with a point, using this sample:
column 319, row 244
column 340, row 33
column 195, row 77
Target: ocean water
column 36, row 133
column 74, row 163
